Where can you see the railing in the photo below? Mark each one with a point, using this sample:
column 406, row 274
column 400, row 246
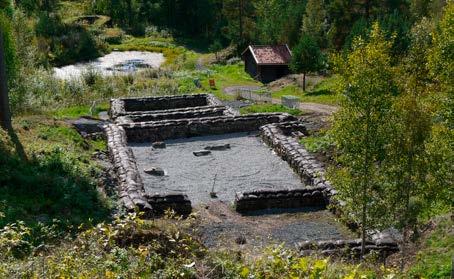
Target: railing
column 254, row 95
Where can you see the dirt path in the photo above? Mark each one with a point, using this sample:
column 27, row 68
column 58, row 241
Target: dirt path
column 321, row 109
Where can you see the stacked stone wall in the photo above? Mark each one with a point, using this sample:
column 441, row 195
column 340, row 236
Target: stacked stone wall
column 130, row 185
column 295, row 198
column 184, row 128
column 350, row 248
column 288, row 148
column 185, row 113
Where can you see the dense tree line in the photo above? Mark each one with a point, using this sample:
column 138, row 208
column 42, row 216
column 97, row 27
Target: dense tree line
column 333, row 23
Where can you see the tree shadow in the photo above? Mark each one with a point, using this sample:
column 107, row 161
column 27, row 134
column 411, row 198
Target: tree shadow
column 17, row 144
column 322, row 92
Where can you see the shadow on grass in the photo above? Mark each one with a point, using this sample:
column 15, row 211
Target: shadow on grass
column 45, row 187
column 322, row 92
column 197, row 45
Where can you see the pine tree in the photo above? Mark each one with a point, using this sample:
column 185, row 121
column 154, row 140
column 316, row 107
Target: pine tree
column 314, row 22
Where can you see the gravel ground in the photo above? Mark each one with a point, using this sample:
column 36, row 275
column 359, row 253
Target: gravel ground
column 248, row 165
column 220, row 227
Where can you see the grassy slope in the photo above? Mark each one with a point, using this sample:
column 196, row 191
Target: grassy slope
column 434, row 260
column 58, row 179
column 323, row 93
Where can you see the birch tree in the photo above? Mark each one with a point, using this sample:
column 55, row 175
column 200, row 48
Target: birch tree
column 361, row 128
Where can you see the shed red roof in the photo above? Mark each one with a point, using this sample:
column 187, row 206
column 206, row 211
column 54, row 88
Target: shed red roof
column 270, row 55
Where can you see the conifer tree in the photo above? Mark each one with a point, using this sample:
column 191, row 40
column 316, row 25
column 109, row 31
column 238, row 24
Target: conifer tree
column 314, row 22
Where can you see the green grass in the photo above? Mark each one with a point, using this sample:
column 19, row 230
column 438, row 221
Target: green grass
column 56, row 181
column 225, row 76
column 323, row 92
column 74, row 112
column 317, row 143
column 70, row 10
column 267, row 108
column 161, row 45
column 434, row 260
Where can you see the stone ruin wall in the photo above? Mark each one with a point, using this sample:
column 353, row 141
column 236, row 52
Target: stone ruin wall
column 185, row 113
column 282, row 137
column 185, row 128
column 133, row 123
column 137, row 106
column 279, row 131
column 279, row 137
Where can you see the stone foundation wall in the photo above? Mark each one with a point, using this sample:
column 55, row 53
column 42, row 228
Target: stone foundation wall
column 351, row 248
column 125, row 106
column 176, row 202
column 288, row 148
column 298, row 198
column 184, row 113
column 184, row 128
column 130, row 184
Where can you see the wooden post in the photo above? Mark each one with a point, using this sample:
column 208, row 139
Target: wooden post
column 5, row 114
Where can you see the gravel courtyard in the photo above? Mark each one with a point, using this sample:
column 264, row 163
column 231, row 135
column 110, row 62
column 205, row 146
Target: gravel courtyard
column 249, row 164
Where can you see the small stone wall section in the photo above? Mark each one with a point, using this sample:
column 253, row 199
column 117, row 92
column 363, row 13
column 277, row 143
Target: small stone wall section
column 130, row 185
column 176, row 202
column 288, row 148
column 184, row 128
column 117, row 108
column 164, row 104
column 199, row 112
column 351, row 248
column 297, row 198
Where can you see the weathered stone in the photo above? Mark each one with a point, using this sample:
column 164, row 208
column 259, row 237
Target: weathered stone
column 158, row 144
column 240, row 240
column 201, row 153
column 218, row 147
column 154, row 171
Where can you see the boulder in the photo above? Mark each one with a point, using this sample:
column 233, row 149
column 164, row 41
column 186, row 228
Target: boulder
column 159, row 144
column 218, row 147
column 202, row 153
column 154, row 171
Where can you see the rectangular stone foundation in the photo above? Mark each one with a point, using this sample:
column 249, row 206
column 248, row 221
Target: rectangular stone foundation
column 126, row 106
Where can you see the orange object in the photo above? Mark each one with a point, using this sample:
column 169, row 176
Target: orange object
column 212, row 83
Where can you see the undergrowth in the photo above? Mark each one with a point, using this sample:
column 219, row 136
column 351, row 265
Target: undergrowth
column 267, row 108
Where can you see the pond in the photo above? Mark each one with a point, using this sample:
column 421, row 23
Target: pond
column 116, row 62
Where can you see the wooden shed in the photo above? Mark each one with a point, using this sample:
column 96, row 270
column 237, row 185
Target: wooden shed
column 267, row 63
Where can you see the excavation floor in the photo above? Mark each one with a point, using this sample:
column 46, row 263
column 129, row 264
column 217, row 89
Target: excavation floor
column 248, row 165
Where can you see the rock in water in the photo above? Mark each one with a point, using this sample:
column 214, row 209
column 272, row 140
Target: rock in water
column 218, row 147
column 159, row 144
column 202, row 153
column 154, row 171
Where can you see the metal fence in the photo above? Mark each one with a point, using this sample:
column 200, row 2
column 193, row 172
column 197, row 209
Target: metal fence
column 253, row 95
